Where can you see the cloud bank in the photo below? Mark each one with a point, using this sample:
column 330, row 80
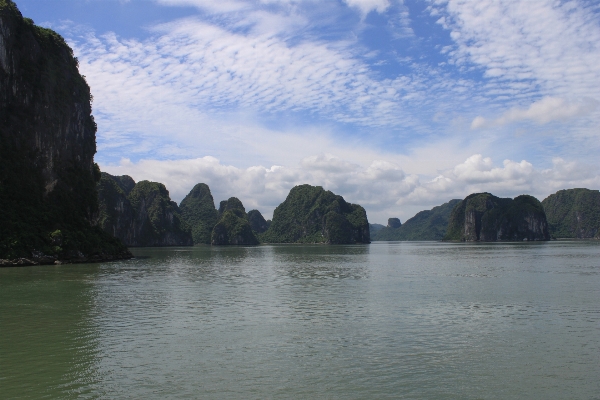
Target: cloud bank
column 382, row 187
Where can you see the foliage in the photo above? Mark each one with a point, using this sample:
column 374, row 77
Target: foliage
column 233, row 203
column 158, row 218
column 233, row 226
column 257, row 221
column 573, row 213
column 310, row 214
column 199, row 212
column 425, row 225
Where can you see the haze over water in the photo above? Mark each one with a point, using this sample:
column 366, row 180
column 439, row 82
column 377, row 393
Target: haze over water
column 386, row 320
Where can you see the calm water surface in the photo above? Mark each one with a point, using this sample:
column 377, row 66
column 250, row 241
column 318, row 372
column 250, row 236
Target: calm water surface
column 387, row 320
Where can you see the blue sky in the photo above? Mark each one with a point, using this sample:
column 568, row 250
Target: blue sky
column 396, row 105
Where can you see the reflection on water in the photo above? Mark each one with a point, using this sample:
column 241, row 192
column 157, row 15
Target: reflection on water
column 388, row 320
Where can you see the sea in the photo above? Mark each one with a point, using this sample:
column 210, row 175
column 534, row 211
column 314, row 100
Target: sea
column 389, row 320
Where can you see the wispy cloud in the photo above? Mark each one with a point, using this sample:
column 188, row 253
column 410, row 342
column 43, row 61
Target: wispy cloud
column 543, row 111
column 527, row 48
column 366, row 6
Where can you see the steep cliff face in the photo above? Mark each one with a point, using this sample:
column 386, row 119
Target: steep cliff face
column 157, row 218
column 199, row 212
column 257, row 221
column 117, row 215
column 425, row 225
column 233, row 226
column 47, row 146
column 573, row 213
column 394, row 223
column 144, row 216
column 310, row 214
column 487, row 218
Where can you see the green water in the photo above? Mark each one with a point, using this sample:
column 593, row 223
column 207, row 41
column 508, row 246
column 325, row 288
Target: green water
column 386, row 320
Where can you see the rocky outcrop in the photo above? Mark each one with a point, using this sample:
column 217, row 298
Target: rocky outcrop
column 157, row 218
column 199, row 212
column 47, row 146
column 311, row 214
column 573, row 213
column 394, row 223
column 145, row 216
column 117, row 216
column 233, row 226
column 425, row 225
column 257, row 221
column 487, row 218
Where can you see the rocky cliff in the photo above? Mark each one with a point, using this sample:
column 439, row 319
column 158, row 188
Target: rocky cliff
column 199, row 212
column 257, row 221
column 117, row 216
column 487, row 218
column 394, row 223
column 233, row 226
column 47, row 146
column 142, row 215
column 573, row 213
column 425, row 225
column 311, row 214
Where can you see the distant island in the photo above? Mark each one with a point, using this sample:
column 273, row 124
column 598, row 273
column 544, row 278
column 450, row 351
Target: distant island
column 487, row 218
column 58, row 207
column 425, row 225
column 568, row 214
column 142, row 214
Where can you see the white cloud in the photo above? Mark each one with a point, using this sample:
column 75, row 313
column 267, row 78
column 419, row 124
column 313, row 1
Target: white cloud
column 366, row 6
column 382, row 187
column 527, row 48
column 192, row 65
column 543, row 111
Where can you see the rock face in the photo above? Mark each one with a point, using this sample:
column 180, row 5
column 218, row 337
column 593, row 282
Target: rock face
column 257, row 221
column 573, row 213
column 487, row 218
column 425, row 225
column 394, row 223
column 233, row 226
column 144, row 216
column 199, row 212
column 47, row 146
column 310, row 214
column 117, row 216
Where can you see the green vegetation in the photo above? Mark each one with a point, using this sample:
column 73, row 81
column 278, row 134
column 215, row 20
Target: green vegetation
column 310, row 214
column 233, row 226
column 257, row 221
column 47, row 144
column 158, row 221
column 374, row 228
column 573, row 213
column 485, row 217
column 199, row 212
column 116, row 215
column 425, row 225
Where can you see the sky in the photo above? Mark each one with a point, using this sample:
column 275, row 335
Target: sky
column 396, row 105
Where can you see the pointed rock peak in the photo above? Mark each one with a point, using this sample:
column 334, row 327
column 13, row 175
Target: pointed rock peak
column 233, row 203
